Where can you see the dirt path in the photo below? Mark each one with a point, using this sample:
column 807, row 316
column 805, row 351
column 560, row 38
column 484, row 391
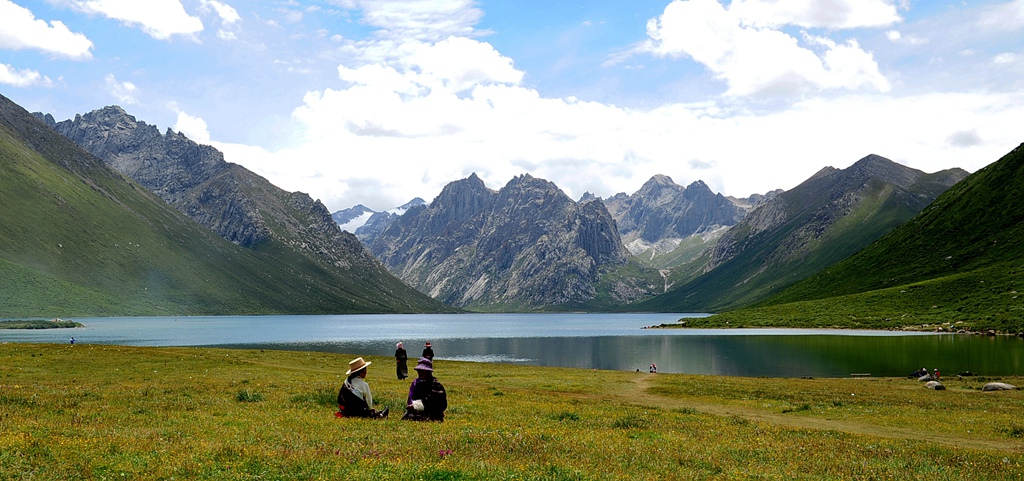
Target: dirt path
column 643, row 396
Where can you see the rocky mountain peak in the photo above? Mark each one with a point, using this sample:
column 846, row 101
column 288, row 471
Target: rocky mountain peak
column 884, row 169
column 665, row 211
column 528, row 244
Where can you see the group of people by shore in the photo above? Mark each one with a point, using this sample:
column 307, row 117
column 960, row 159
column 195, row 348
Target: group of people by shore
column 427, row 399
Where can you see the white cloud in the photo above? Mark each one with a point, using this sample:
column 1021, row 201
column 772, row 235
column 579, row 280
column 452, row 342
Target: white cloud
column 226, row 12
column 416, row 143
column 22, row 78
column 124, row 92
column 160, row 19
column 19, row 29
column 1007, row 16
column 965, row 138
column 419, row 19
column 756, row 61
column 194, row 128
column 461, row 63
column 418, row 109
column 832, row 14
column 1004, row 58
column 896, row 37
column 229, row 18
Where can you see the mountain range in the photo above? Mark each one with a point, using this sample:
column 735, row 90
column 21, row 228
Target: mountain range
column 127, row 220
column 526, row 246
column 367, row 224
column 193, row 235
column 689, row 248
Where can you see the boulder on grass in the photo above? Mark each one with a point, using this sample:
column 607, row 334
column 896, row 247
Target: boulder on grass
column 998, row 386
column 936, row 385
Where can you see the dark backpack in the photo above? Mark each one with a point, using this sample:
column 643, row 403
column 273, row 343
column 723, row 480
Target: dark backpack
column 351, row 405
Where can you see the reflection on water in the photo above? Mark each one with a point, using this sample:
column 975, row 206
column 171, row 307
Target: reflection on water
column 591, row 341
column 733, row 354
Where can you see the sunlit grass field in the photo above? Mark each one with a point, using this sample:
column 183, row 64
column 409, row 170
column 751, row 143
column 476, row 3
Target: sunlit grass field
column 113, row 412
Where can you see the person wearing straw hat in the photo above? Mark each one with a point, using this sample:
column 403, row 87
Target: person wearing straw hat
column 354, row 397
column 427, row 399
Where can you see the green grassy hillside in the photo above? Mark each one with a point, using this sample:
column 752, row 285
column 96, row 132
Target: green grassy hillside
column 77, row 238
column 960, row 262
column 827, row 218
column 976, row 224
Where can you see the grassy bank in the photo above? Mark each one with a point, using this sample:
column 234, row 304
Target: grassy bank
column 110, row 412
column 39, row 324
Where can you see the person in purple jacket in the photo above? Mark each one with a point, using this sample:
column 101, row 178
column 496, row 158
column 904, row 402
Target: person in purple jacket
column 427, row 399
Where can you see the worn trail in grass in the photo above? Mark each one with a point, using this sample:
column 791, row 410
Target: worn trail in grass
column 648, row 382
column 116, row 412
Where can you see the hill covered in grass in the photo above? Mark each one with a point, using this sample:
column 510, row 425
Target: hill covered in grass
column 960, row 261
column 79, row 239
column 790, row 237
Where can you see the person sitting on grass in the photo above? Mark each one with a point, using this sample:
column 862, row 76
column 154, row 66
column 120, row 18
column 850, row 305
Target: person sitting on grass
column 354, row 397
column 427, row 398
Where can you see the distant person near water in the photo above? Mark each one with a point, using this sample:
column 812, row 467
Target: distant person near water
column 401, row 368
column 72, row 341
column 427, row 399
column 654, row 368
column 354, row 398
column 428, row 351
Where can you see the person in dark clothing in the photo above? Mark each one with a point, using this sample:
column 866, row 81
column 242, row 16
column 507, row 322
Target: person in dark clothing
column 427, row 399
column 354, row 398
column 401, row 369
column 428, row 351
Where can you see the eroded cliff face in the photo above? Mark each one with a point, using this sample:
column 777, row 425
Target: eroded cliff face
column 527, row 245
column 227, row 198
column 662, row 213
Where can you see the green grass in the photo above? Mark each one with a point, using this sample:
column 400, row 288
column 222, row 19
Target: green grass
column 112, row 412
column 39, row 324
column 976, row 301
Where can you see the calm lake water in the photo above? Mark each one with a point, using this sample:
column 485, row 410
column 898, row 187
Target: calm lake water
column 598, row 341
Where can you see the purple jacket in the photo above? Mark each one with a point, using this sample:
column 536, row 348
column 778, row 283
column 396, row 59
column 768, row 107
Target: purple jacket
column 434, row 397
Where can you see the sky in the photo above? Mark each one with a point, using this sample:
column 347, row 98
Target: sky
column 376, row 102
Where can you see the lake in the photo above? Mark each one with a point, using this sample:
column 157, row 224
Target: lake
column 592, row 341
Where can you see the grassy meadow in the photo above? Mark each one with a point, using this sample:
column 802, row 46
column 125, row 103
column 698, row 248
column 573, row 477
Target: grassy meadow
column 115, row 412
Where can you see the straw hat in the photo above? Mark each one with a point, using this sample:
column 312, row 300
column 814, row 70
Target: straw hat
column 356, row 365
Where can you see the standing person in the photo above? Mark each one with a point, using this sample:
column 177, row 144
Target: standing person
column 72, row 341
column 427, row 399
column 428, row 351
column 936, row 374
column 354, row 398
column 401, row 369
